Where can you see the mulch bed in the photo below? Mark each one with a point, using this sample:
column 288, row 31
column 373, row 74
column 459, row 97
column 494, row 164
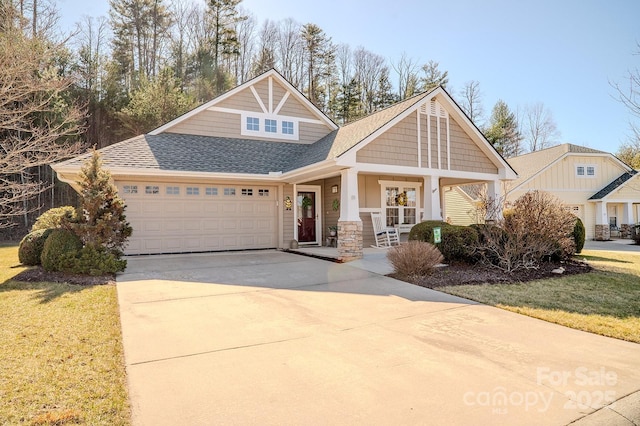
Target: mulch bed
column 463, row 274
column 37, row 274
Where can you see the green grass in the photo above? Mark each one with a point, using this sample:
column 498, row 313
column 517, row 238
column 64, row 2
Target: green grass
column 61, row 360
column 605, row 301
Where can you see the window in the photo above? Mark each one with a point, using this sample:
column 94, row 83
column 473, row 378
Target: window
column 263, row 192
column 193, row 190
column 229, row 191
column 151, row 189
column 585, row 170
column 401, row 205
column 211, row 191
column 253, row 123
column 270, row 126
column 173, row 190
column 130, row 189
column 247, row 192
column 287, row 127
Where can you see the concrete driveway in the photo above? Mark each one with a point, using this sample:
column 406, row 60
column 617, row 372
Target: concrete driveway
column 276, row 338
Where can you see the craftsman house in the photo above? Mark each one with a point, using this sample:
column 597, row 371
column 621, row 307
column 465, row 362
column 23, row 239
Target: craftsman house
column 261, row 166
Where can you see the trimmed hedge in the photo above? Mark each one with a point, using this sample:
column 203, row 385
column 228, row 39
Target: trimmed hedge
column 457, row 242
column 97, row 261
column 30, row 249
column 579, row 235
column 60, row 250
column 53, row 218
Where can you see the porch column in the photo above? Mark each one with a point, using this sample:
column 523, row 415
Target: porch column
column 349, row 224
column 494, row 193
column 432, row 205
column 627, row 220
column 603, row 233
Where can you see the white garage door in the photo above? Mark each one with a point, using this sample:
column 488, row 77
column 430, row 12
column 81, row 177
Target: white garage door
column 179, row 218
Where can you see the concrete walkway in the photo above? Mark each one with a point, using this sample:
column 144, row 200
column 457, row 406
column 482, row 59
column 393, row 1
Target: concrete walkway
column 274, row 338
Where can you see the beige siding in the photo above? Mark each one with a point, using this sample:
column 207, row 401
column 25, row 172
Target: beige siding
column 312, row 132
column 397, row 146
column 367, row 230
column 465, row 154
column 629, row 192
column 295, row 108
column 369, row 191
column 288, row 224
column 243, row 100
column 460, row 210
column 209, row 123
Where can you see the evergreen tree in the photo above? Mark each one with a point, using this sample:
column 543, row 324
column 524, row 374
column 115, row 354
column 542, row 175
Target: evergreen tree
column 433, row 77
column 102, row 223
column 317, row 47
column 349, row 105
column 223, row 42
column 503, row 132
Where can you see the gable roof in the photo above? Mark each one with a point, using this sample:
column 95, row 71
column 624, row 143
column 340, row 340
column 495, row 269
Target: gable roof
column 530, row 164
column 617, row 183
column 267, row 74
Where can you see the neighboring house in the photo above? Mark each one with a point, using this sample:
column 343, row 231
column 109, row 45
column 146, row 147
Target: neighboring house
column 596, row 186
column 260, row 166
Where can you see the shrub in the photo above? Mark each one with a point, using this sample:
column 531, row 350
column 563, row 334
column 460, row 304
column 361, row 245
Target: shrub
column 579, row 235
column 414, row 259
column 96, row 261
column 636, row 234
column 30, row 249
column 60, row 250
column 537, row 228
column 54, row 218
column 456, row 244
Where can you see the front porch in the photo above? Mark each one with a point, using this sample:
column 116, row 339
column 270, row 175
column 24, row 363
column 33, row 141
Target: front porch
column 616, row 219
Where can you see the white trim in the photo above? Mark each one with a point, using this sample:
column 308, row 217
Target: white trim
column 270, row 95
column 317, row 189
column 284, row 117
column 586, row 174
column 262, row 131
column 281, row 103
column 429, row 139
column 448, row 144
column 422, row 172
column 322, row 118
column 439, row 141
column 419, row 137
column 255, row 95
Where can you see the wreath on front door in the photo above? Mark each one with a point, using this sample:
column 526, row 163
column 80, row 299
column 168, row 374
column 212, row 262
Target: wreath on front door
column 401, row 199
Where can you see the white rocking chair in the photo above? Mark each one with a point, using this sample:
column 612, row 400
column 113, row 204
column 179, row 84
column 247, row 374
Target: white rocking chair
column 385, row 236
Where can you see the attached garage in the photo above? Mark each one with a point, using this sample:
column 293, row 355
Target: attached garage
column 185, row 218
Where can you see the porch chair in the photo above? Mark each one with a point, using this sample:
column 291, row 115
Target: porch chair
column 385, row 236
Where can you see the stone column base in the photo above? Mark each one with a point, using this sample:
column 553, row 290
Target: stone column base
column 602, row 233
column 350, row 240
column 625, row 231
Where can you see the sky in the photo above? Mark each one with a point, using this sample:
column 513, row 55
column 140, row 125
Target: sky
column 562, row 53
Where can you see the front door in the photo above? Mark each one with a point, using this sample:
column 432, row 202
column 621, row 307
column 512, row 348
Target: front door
column 308, row 209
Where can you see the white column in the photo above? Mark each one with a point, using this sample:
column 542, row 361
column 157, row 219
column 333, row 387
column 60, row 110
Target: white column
column 349, row 203
column 627, row 214
column 432, row 205
column 601, row 214
column 494, row 194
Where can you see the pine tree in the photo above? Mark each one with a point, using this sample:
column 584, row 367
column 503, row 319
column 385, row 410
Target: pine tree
column 102, row 223
column 503, row 131
column 433, row 77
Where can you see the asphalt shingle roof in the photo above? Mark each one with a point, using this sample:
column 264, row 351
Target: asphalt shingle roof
column 613, row 185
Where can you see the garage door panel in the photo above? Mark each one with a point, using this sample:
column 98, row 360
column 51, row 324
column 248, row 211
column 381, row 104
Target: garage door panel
column 166, row 223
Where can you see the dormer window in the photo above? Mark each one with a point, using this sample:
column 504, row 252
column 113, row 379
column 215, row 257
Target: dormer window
column 253, row 124
column 271, row 126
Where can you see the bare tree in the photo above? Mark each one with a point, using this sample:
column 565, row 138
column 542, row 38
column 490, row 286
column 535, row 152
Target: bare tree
column 246, row 32
column 37, row 125
column 407, row 70
column 368, row 69
column 540, row 129
column 471, row 101
column 289, row 51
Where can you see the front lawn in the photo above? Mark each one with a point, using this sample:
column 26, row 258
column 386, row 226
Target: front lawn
column 61, row 360
column 605, row 301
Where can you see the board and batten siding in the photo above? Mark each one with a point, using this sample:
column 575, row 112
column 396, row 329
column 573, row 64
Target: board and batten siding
column 459, row 208
column 397, row 146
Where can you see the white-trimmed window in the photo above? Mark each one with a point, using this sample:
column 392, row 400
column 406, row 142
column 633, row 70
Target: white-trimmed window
column 247, row 192
column 263, row 192
column 130, row 189
column 270, row 126
column 253, row 124
column 173, row 190
column 229, row 191
column 287, row 127
column 152, row 189
column 585, row 170
column 193, row 190
column 210, row 191
column 400, row 202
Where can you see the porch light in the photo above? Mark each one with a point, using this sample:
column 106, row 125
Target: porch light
column 334, row 189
